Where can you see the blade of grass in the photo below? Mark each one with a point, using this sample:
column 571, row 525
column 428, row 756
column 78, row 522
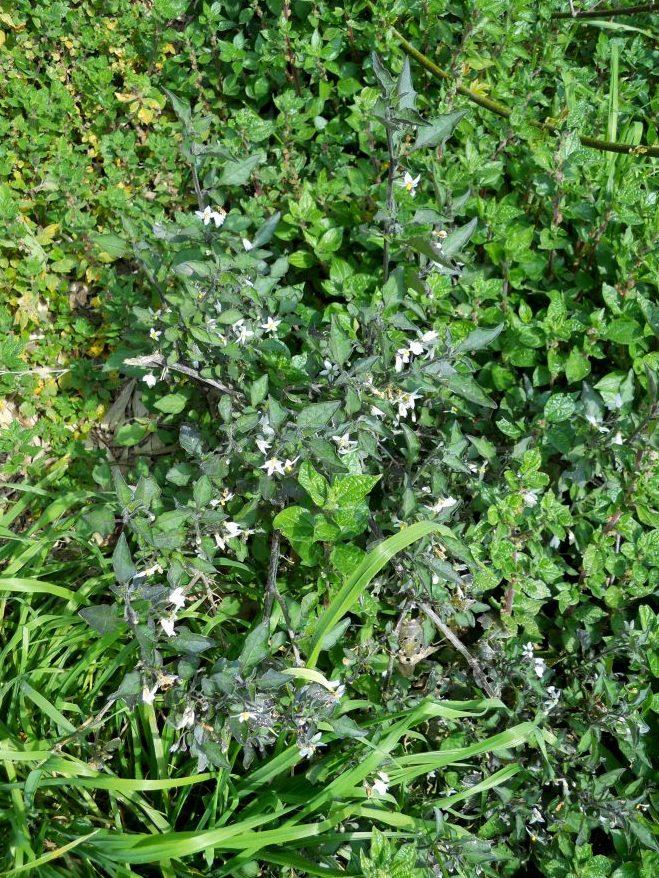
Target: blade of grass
column 376, row 559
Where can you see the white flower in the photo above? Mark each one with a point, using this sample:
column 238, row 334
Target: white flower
column 247, row 244
column 380, row 785
column 208, row 215
column 168, row 627
column 539, row 667
column 554, row 542
column 410, row 183
column 331, row 370
column 243, row 334
column 187, row 720
column 376, row 412
column 245, row 716
column 527, row 652
column 402, row 358
column 274, row 465
column 308, row 748
column 553, row 697
column 406, row 403
column 290, row 464
column 429, row 341
column 148, row 695
column 150, row 379
column 155, row 334
column 339, row 689
column 178, row 598
column 617, row 439
column 270, row 325
column 536, row 816
column 530, row 499
column 263, row 444
column 232, row 529
column 441, row 504
column 594, row 422
column 264, row 424
column 344, row 444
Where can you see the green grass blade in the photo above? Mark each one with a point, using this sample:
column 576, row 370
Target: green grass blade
column 376, row 559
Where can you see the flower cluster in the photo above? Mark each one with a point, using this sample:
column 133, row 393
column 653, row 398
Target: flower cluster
column 425, row 344
column 177, row 598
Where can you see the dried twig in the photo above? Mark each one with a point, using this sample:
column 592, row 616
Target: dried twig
column 151, row 360
column 455, row 641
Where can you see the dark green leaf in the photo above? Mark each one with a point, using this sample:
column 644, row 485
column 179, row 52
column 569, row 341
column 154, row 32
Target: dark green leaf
column 438, row 130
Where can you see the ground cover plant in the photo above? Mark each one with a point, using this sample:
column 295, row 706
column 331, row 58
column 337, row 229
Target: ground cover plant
column 330, row 496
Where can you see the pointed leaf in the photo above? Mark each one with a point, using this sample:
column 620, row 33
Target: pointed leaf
column 479, row 338
column 438, row 130
column 122, row 563
column 456, row 240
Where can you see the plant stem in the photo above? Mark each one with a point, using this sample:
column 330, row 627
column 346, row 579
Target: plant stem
column 608, row 13
column 158, row 360
column 455, row 641
column 197, row 184
column 505, row 112
column 273, row 594
column 391, row 202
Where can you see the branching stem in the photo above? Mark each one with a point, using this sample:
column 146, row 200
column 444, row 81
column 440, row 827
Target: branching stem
column 505, row 112
column 609, row 13
column 455, row 641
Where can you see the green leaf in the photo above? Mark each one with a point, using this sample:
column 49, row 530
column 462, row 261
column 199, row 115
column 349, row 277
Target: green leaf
column 478, row 339
column 328, row 243
column 340, row 344
column 100, row 519
column 202, row 491
column 404, row 88
column 559, row 407
column 111, row 244
column 192, row 268
column 624, row 331
column 438, row 130
column 190, row 440
column 376, row 559
column 466, row 387
column 316, row 486
column 296, row 523
column 382, row 75
column 181, row 107
column 104, row 618
column 325, row 531
column 350, row 490
column 171, row 404
column 130, row 434
column 122, row 562
column 267, row 230
column 454, row 243
column 577, row 366
column 315, row 416
column 238, row 173
column 191, row 643
column 256, row 647
column 259, row 390
column 344, row 727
